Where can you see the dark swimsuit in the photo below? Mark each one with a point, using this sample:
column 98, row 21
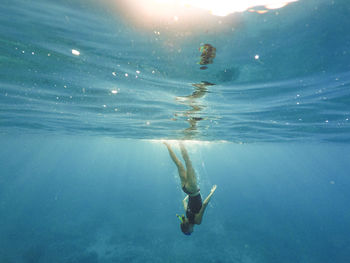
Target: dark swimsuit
column 194, row 204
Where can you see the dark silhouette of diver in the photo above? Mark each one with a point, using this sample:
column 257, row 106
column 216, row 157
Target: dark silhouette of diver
column 208, row 53
column 193, row 206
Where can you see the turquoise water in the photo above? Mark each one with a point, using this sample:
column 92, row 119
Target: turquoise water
column 298, row 88
column 87, row 95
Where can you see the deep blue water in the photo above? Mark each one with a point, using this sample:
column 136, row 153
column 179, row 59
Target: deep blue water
column 298, row 88
column 84, row 177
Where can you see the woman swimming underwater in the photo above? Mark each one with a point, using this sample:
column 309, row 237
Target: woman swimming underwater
column 193, row 205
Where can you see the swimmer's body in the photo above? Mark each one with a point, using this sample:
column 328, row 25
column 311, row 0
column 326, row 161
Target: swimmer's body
column 193, row 205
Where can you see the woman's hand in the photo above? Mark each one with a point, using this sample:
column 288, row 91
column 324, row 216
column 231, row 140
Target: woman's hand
column 213, row 189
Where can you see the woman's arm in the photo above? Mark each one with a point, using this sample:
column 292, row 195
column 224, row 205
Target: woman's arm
column 185, row 203
column 198, row 217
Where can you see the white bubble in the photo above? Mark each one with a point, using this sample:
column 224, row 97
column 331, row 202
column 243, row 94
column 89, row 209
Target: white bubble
column 75, row 52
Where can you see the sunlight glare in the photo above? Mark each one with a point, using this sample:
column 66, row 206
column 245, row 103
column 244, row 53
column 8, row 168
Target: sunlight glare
column 224, row 7
column 188, row 13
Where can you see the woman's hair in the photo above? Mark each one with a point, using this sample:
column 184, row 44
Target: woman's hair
column 185, row 228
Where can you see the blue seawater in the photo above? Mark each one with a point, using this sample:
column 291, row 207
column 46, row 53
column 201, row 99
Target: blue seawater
column 87, row 96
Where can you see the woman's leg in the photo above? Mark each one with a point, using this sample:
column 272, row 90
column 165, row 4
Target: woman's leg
column 191, row 175
column 179, row 165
